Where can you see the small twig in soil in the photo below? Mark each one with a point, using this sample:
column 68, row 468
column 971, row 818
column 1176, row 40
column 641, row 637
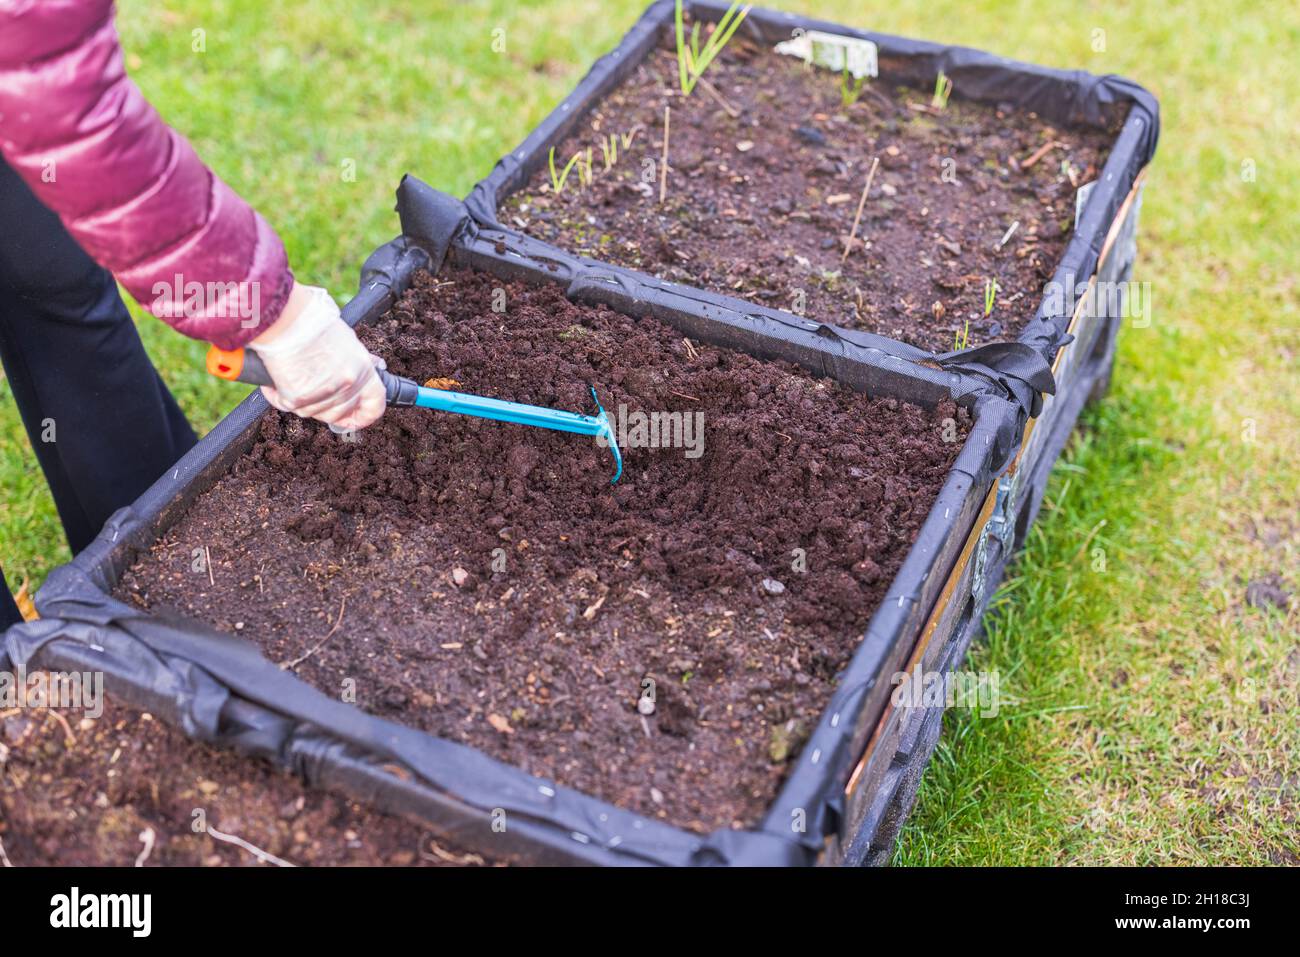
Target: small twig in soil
column 1008, row 234
column 447, row 856
column 4, row 858
column 207, row 556
column 590, row 613
column 691, row 349
column 147, row 838
column 68, row 737
column 1038, row 154
column 683, row 395
column 261, row 855
column 880, row 98
column 290, row 665
column 848, row 244
column 663, row 163
column 710, row 89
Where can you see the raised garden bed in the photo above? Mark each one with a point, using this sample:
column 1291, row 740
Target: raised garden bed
column 374, row 561
column 766, row 177
column 221, row 688
column 1020, row 138
column 401, row 563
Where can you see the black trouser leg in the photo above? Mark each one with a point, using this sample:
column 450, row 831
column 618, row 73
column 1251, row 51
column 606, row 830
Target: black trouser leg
column 8, row 608
column 102, row 422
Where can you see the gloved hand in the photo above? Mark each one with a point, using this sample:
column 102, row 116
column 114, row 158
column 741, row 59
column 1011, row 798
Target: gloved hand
column 319, row 367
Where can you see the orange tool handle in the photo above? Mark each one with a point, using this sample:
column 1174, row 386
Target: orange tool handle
column 244, row 365
column 237, row 365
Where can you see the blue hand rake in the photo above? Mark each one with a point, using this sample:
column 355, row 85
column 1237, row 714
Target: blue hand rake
column 241, row 365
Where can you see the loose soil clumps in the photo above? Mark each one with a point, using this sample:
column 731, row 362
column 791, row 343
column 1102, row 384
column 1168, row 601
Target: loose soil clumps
column 487, row 584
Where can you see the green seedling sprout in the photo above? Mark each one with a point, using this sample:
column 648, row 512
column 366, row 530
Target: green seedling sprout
column 850, row 88
column 692, row 60
column 609, row 147
column 558, row 179
column 961, row 339
column 942, row 90
column 663, row 164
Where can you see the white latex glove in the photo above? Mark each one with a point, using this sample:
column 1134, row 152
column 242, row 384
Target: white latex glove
column 319, row 367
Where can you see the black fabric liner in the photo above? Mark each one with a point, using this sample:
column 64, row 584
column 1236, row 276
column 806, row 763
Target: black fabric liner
column 220, row 688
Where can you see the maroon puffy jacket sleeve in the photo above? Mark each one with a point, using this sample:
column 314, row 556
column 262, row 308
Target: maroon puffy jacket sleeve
column 130, row 189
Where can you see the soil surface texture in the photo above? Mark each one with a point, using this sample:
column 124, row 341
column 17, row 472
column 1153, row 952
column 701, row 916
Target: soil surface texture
column 766, row 170
column 122, row 787
column 486, row 583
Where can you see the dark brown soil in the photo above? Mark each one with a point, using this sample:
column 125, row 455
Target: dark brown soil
column 759, row 205
column 88, row 801
column 486, row 583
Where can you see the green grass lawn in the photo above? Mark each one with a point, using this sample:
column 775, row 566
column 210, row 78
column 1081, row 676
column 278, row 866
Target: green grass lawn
column 1153, row 713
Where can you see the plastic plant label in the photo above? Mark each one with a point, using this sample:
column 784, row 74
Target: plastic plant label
column 832, row 51
column 1081, row 200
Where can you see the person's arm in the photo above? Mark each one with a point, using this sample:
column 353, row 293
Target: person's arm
column 136, row 196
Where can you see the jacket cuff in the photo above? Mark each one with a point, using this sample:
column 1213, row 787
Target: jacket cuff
column 269, row 311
